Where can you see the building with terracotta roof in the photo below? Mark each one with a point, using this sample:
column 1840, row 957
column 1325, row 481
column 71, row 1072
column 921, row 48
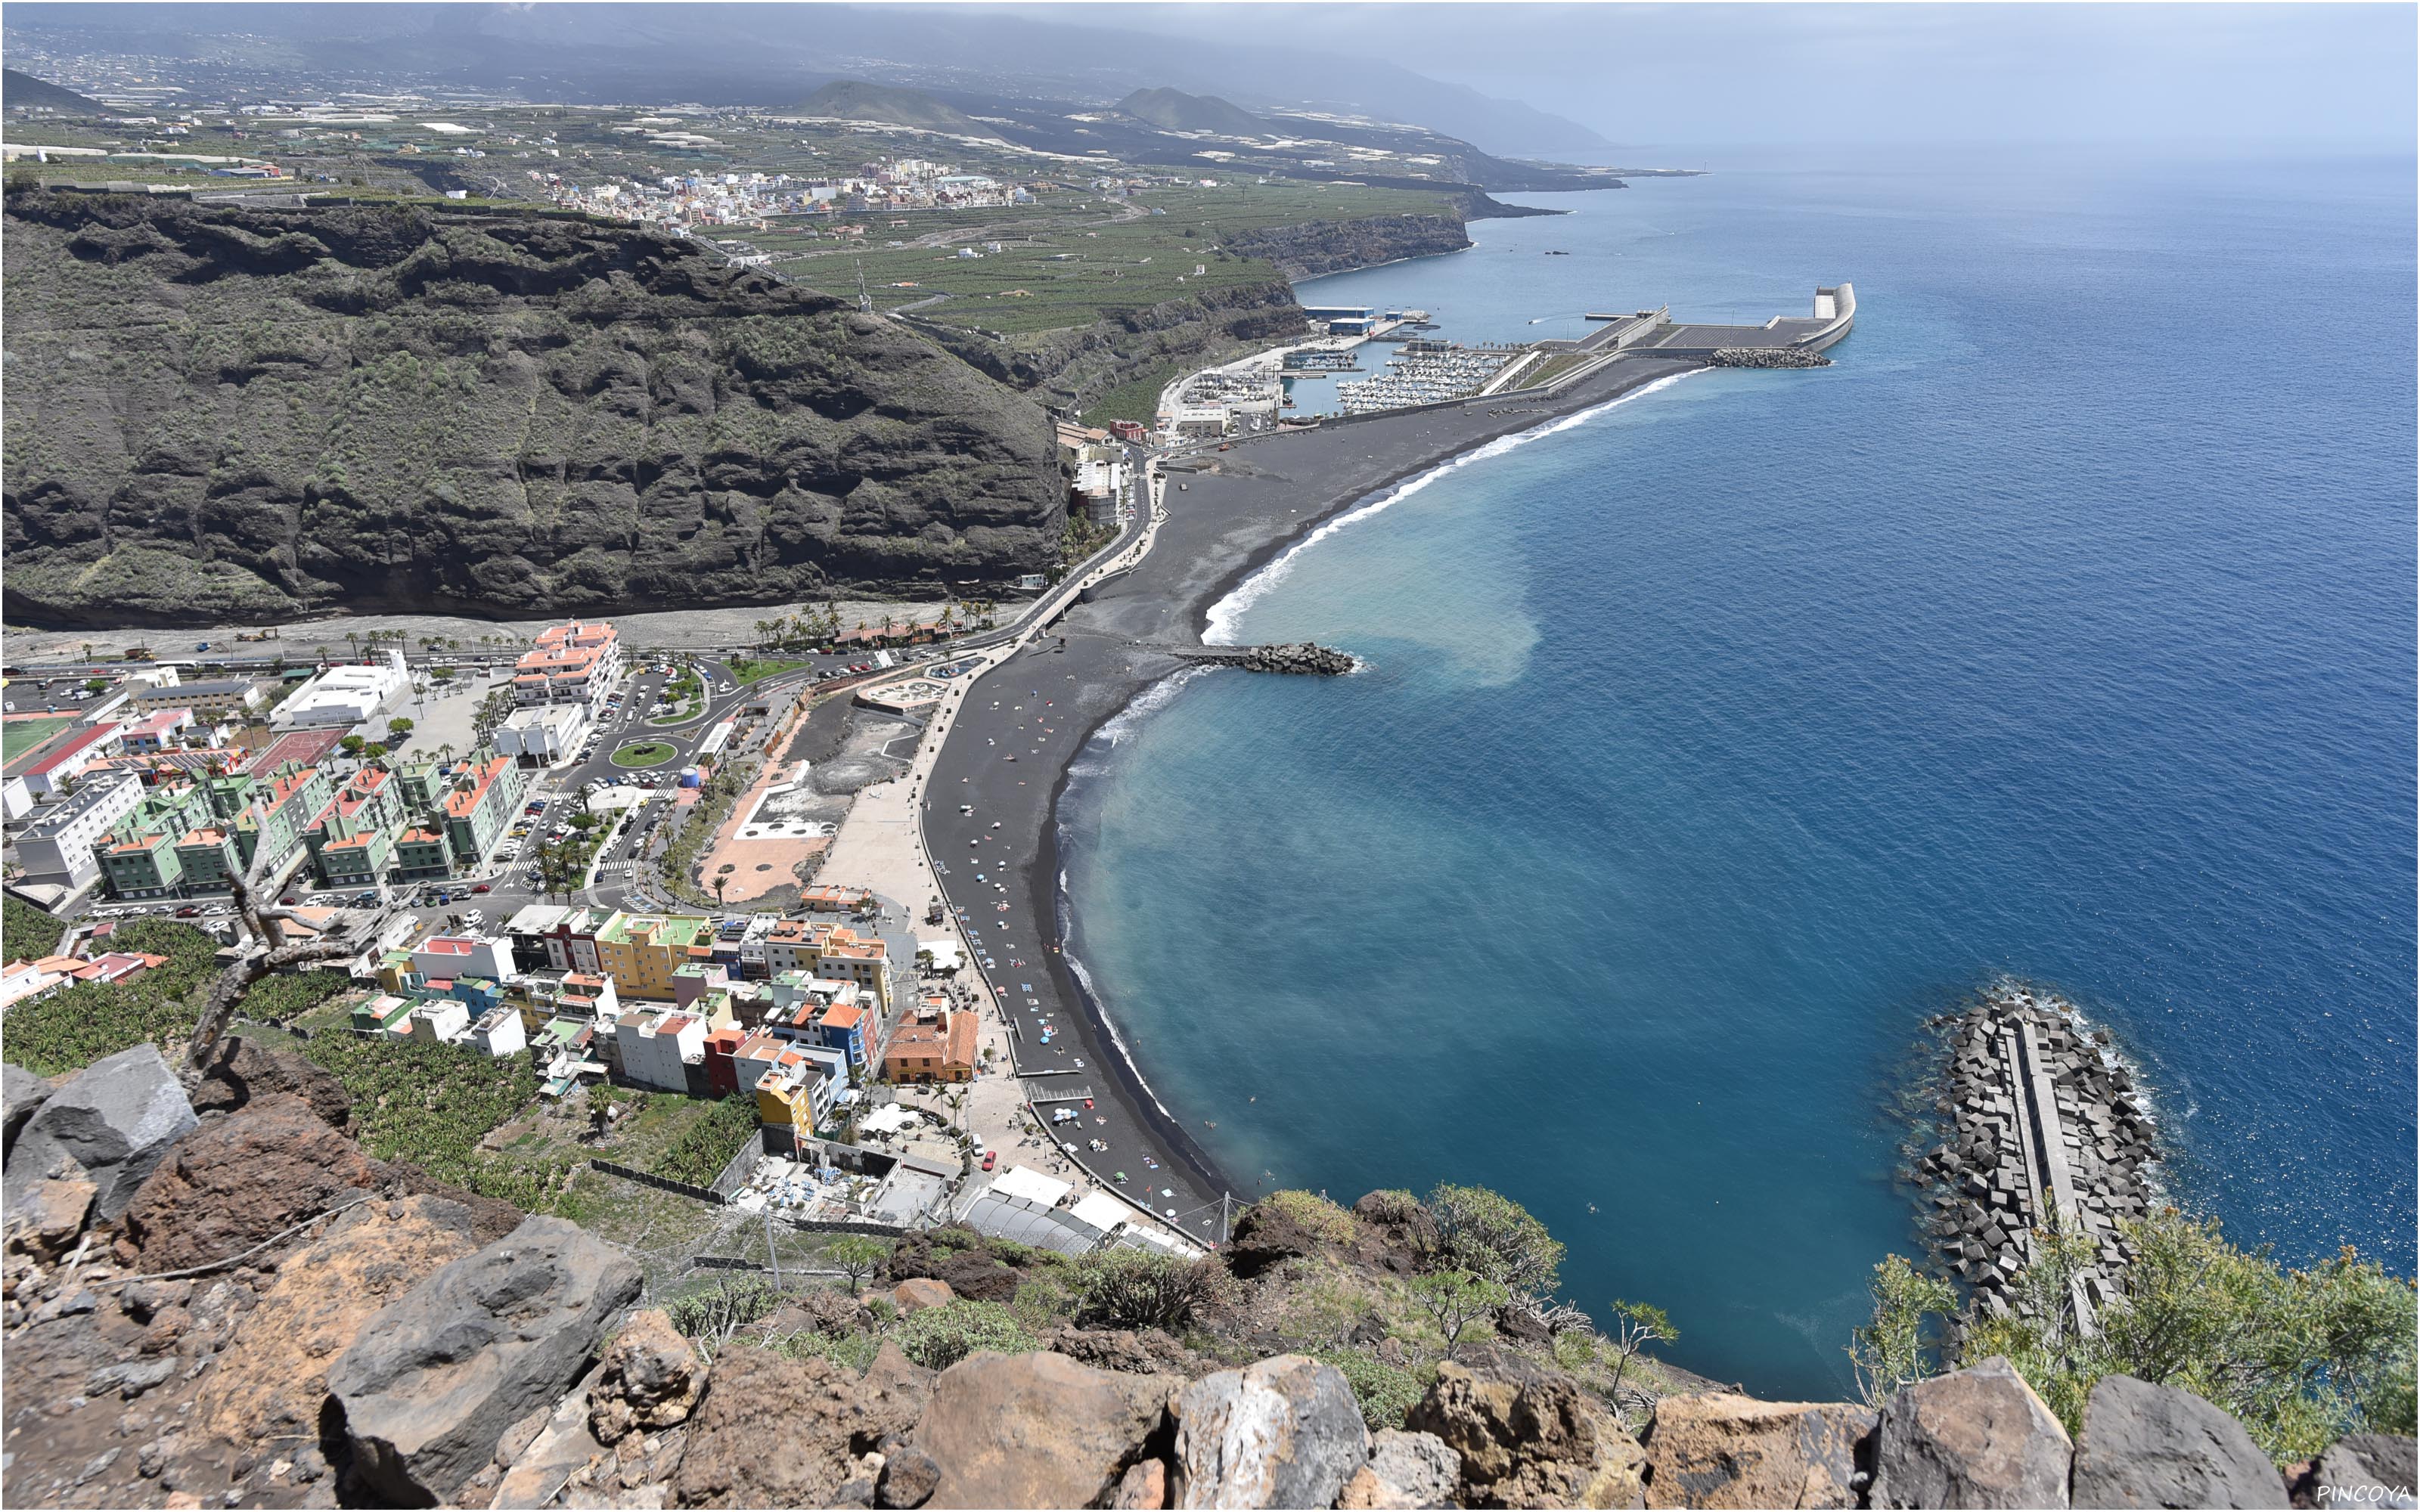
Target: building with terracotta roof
column 352, row 838
column 932, row 1047
column 576, row 662
column 64, row 757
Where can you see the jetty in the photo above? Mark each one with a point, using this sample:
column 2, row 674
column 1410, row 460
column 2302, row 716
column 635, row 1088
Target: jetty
column 2042, row 1130
column 1301, row 657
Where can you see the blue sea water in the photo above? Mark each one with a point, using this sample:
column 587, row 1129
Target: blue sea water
column 2063, row 629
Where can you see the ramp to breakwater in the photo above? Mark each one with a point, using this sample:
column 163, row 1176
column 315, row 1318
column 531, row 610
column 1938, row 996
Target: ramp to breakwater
column 1834, row 312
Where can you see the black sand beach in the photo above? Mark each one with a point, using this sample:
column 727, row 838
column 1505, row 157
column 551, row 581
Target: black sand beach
column 1010, row 762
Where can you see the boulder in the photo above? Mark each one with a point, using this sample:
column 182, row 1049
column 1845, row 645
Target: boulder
column 46, row 1217
column 774, row 1431
column 116, row 1120
column 1976, row 1438
column 1720, row 1450
column 1030, row 1430
column 242, row 1179
column 1275, row 1230
column 919, row 1292
column 1528, row 1436
column 271, row 1380
column 1403, row 1232
column 2149, row 1445
column 820, row 1311
column 1405, row 1470
column 1278, row 1433
column 21, row 1094
column 908, row 1478
column 2365, row 1470
column 652, row 1379
column 242, row 1071
column 431, row 1383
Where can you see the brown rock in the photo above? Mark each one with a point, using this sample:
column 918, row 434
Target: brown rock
column 243, row 1178
column 1136, row 1352
column 244, row 1072
column 271, row 1380
column 652, row 1379
column 1143, row 1485
column 1405, row 1470
column 1039, row 1430
column 908, row 1478
column 1725, row 1451
column 1976, row 1438
column 772, row 1431
column 48, row 1218
column 1529, row 1436
column 835, row 1313
column 919, row 1292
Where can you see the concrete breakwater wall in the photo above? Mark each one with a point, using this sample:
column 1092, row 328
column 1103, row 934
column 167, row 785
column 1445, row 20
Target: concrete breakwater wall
column 1301, row 657
column 2040, row 1127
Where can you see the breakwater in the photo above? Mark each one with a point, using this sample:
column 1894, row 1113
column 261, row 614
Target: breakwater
column 1302, row 657
column 1767, row 357
column 2042, row 1129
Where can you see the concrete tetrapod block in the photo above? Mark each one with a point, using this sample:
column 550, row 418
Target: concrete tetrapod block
column 2147, row 1445
column 432, row 1383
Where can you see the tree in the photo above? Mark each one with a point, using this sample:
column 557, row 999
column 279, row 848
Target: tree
column 1490, row 1235
column 2301, row 1357
column 96, row 685
column 373, row 751
column 397, row 729
column 721, row 880
column 1893, row 1350
column 1456, row 1299
column 857, row 1257
column 1636, row 1325
column 351, row 745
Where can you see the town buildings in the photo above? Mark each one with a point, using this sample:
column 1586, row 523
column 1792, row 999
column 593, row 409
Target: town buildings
column 570, row 663
column 57, row 847
column 344, row 696
column 544, row 734
column 932, row 1045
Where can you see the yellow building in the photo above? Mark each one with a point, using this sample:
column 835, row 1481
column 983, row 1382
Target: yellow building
column 643, row 952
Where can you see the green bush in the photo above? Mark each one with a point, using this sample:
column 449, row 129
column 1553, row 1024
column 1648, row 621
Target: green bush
column 433, row 1103
column 1142, row 1288
column 1489, row 1234
column 939, row 1337
column 1313, row 1213
column 1387, row 1393
column 2301, row 1357
column 713, row 1312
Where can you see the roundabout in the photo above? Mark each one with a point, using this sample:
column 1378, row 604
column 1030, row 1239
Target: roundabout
column 645, row 753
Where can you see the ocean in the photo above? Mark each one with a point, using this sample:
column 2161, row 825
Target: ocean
column 2062, row 630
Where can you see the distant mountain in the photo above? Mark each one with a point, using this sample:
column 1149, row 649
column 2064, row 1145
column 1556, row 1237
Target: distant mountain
column 853, row 100
column 25, row 90
column 1176, row 111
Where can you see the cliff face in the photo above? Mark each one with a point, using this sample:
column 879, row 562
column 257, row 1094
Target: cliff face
column 1132, row 342
column 218, row 413
column 1317, row 247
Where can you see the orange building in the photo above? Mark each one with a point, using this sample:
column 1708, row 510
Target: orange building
column 932, row 1047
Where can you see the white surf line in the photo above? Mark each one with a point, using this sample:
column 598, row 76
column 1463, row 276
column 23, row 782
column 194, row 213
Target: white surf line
column 1220, row 627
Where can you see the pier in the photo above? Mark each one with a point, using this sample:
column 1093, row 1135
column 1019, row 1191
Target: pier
column 2041, row 1131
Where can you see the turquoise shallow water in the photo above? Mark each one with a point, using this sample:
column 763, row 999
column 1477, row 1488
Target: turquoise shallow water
column 2062, row 629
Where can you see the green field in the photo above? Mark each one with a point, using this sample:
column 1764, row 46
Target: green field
column 746, row 670
column 1076, row 267
column 645, row 753
column 18, row 736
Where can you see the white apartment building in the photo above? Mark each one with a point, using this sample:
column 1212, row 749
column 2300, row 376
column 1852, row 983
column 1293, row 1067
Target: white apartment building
column 576, row 662
column 58, row 846
column 544, row 734
column 344, row 696
column 655, row 1048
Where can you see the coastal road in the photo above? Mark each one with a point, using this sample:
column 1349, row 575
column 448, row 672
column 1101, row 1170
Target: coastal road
column 1022, row 724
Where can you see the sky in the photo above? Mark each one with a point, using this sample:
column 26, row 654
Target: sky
column 2286, row 75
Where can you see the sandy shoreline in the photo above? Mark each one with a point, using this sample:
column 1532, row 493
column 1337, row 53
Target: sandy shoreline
column 1266, row 495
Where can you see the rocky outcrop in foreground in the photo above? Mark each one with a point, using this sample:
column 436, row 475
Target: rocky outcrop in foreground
column 219, row 414
column 344, row 1335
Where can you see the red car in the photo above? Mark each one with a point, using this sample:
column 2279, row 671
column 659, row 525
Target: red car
column 189, row 910
column 1088, row 1105
column 991, row 1158
column 289, row 902
column 481, row 888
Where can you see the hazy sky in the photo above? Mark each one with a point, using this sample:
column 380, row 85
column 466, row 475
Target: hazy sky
column 2288, row 74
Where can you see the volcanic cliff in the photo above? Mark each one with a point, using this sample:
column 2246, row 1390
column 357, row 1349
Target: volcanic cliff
column 218, row 412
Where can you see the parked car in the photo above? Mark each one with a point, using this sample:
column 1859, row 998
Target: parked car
column 483, row 887
column 991, row 1158
column 189, row 910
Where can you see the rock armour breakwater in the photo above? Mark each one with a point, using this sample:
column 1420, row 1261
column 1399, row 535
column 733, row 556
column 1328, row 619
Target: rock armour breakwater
column 1305, row 657
column 1767, row 357
column 2041, row 1124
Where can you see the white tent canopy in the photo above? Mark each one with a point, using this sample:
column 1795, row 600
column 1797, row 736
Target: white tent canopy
column 1023, row 1181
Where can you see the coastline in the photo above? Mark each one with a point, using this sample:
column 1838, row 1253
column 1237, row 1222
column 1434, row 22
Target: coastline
column 1246, row 511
